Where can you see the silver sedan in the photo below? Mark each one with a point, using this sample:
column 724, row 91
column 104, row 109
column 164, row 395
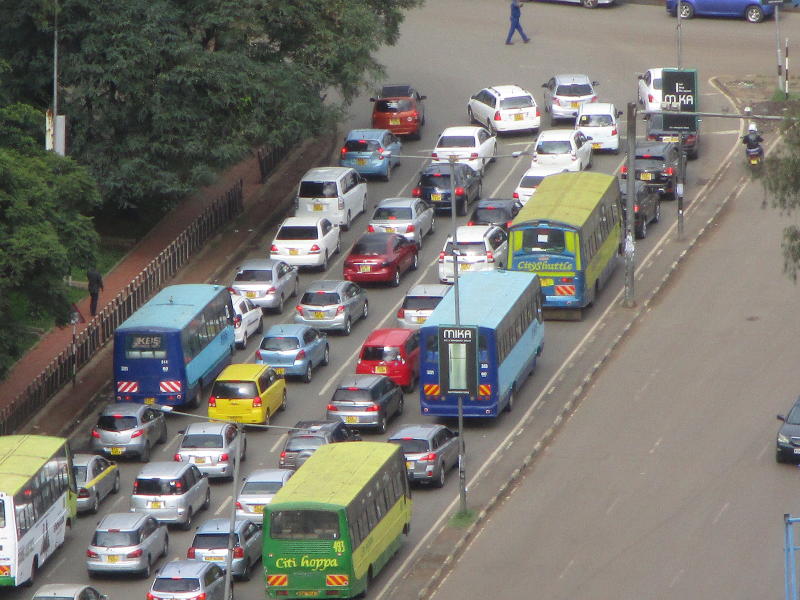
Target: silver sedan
column 96, row 478
column 413, row 218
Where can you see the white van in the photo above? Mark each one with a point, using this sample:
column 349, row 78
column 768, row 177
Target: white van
column 479, row 248
column 598, row 122
column 338, row 193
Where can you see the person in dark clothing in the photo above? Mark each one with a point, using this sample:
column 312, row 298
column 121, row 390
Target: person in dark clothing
column 95, row 286
column 516, row 10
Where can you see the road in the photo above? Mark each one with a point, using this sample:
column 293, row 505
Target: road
column 611, row 48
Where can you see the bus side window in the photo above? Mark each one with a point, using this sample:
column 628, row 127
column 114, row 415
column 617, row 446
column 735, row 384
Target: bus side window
column 483, row 347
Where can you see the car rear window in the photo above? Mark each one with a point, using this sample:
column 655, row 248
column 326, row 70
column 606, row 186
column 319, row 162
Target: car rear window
column 113, row 539
column 320, row 298
column 393, row 105
column 441, row 180
column 361, row 145
column 380, row 353
column 456, row 141
column 79, row 473
column 318, row 189
column 595, row 121
column 466, row 248
column 531, row 181
column 492, row 214
column 234, row 389
column 554, row 147
column 410, row 446
column 421, row 302
column 117, row 422
column 370, row 246
column 155, row 487
column 298, row 443
column 253, row 275
column 574, row 89
column 352, row 395
column 387, row 213
column 261, row 487
column 212, row 540
column 650, row 156
column 297, row 232
column 202, row 440
column 516, row 102
column 279, row 344
column 176, row 584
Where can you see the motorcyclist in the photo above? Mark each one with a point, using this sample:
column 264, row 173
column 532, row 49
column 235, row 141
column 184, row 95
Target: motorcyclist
column 753, row 139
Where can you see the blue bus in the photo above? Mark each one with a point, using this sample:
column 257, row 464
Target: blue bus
column 506, row 309
column 174, row 345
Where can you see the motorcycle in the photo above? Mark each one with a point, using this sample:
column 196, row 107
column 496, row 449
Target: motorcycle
column 755, row 156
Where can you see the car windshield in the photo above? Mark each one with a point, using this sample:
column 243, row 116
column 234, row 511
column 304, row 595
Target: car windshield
column 202, row 440
column 380, row 353
column 79, row 472
column 554, row 147
column 258, row 488
column 400, row 105
column 574, row 89
column 387, row 213
column 361, row 145
column 411, row 446
column 279, row 344
column 595, row 121
column 318, row 189
column 516, row 102
column 320, row 298
column 492, row 214
column 531, row 181
column 234, row 389
column 303, row 442
column 113, row 539
column 456, row 141
column 304, row 525
column 438, row 180
column 793, row 418
column 421, row 302
column 253, row 275
column 213, row 540
column 541, row 239
column 465, row 248
column 297, row 232
column 370, row 246
column 176, row 584
column 117, row 422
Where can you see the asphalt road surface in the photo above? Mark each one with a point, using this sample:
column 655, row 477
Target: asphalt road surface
column 450, row 49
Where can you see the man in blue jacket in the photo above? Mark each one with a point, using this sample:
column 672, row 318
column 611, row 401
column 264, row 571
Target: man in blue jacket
column 515, row 26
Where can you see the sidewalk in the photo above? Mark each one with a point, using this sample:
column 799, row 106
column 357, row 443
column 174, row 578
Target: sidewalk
column 263, row 203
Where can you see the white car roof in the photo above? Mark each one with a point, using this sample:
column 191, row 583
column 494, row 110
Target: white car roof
column 596, row 108
column 324, row 173
column 462, row 130
column 509, row 90
column 555, row 134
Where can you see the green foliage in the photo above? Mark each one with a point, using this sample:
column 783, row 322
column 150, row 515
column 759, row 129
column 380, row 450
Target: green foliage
column 43, row 230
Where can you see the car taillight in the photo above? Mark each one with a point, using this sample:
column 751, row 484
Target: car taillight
column 370, row 229
column 372, row 408
column 593, row 99
column 137, row 433
column 314, row 249
column 690, row 139
column 273, row 248
column 283, row 454
column 410, row 228
column 135, row 486
column 343, row 152
column 135, row 554
column 473, row 156
column 669, row 171
column 340, row 309
column 650, row 98
column 238, row 552
column 515, row 195
column 430, row 457
column 299, row 309
column 441, row 256
column 636, row 208
column 416, row 192
column 212, row 401
column 223, row 457
column 538, row 114
column 239, row 505
column 380, row 154
column 470, row 223
column 331, row 408
column 401, row 313
column 508, row 224
column 190, row 553
column 459, row 191
column 237, row 321
column 258, row 355
column 497, row 116
column 151, row 597
column 95, row 433
column 200, row 596
column 272, row 290
column 92, row 554
column 300, row 355
column 257, row 402
column 177, row 458
column 624, row 169
column 613, row 132
column 83, row 493
column 434, row 155
column 415, row 115
column 490, row 256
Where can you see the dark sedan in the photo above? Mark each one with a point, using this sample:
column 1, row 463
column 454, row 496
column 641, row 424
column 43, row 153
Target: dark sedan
column 646, row 206
column 495, row 211
column 657, row 133
column 788, row 442
column 434, row 186
column 380, row 257
column 657, row 164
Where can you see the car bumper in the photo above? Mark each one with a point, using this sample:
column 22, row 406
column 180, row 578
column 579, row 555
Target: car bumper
column 401, row 378
column 788, row 452
column 219, row 470
column 369, row 168
column 292, row 369
column 84, row 504
column 122, row 565
column 325, row 324
column 251, row 416
column 605, row 143
column 300, row 260
column 379, row 274
column 118, row 451
column 422, row 471
column 163, row 515
column 513, row 125
column 357, row 420
column 565, row 112
column 446, row 273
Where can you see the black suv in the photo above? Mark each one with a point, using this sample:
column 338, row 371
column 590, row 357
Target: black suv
column 495, row 211
column 657, row 164
column 646, row 206
column 310, row 435
column 657, row 133
column 434, row 186
column 367, row 400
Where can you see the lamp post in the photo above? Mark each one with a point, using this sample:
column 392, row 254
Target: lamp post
column 628, row 243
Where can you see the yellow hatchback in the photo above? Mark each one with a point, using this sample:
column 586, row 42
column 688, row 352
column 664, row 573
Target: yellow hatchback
column 247, row 393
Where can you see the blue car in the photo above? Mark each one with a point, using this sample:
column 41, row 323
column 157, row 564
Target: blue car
column 294, row 350
column 371, row 152
column 753, row 11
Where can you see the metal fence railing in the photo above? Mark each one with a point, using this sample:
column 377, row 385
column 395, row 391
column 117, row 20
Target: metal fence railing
column 268, row 158
column 101, row 328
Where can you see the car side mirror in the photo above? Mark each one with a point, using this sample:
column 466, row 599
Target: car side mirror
column 619, row 113
column 588, row 137
column 372, row 99
column 781, row 418
column 182, row 431
column 544, row 85
column 640, row 76
column 423, row 97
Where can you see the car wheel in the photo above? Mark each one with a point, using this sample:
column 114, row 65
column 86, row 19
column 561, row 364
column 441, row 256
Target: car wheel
column 165, row 550
column 243, row 345
column 490, row 126
column 396, row 279
column 307, row 374
column 326, row 357
column 347, row 326
column 145, row 573
column 347, row 223
column 400, row 406
column 325, row 262
column 337, row 250
column 415, row 262
column 657, row 216
column 260, row 328
column 283, row 401
column 95, row 504
column 432, row 230
column 754, row 14
column 279, row 308
column 115, row 489
column 388, row 176
column 145, row 455
column 382, row 424
column 687, row 10
column 365, row 312
column 187, row 525
column 439, row 481
column 470, row 116
column 206, row 500
column 479, row 193
column 641, row 229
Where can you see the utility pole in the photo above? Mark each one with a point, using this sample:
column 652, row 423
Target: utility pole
column 628, row 244
column 680, row 34
column 237, row 458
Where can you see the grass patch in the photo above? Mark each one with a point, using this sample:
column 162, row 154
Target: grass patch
column 779, row 96
column 462, row 520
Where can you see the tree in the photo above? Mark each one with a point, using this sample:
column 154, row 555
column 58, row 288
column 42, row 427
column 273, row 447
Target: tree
column 44, row 198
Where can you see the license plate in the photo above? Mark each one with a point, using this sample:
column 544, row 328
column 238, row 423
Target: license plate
column 112, row 558
column 546, row 281
column 149, row 400
column 364, row 269
column 463, row 267
column 797, row 450
column 753, row 161
column 361, row 162
column 519, row 117
column 199, row 460
column 596, row 146
column 380, row 369
column 309, row 593
column 319, row 207
column 575, row 104
column 280, row 370
column 250, row 294
column 419, row 319
column 394, row 121
column 293, row 251
column 116, row 451
column 389, row 229
column 214, row 558
column 318, row 315
column 351, row 420
column 672, row 138
column 409, row 465
column 646, row 176
column 258, row 508
column 436, row 197
column 155, row 505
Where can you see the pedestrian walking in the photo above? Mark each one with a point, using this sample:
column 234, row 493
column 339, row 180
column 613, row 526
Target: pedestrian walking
column 516, row 10
column 95, row 286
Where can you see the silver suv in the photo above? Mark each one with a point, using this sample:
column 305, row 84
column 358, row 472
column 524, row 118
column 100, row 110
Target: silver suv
column 129, row 429
column 172, row 492
column 332, row 304
column 266, row 282
column 210, row 544
column 212, row 447
column 564, row 94
column 126, row 543
column 307, row 436
column 257, row 491
column 430, row 451
column 183, row 579
column 419, row 304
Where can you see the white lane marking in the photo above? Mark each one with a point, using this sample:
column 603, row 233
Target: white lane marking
column 278, row 443
column 656, row 445
column 764, row 450
column 172, row 442
column 117, row 501
column 720, row 513
column 612, row 505
column 222, row 506
column 59, row 562
column 564, row 572
column 447, row 511
column 676, row 579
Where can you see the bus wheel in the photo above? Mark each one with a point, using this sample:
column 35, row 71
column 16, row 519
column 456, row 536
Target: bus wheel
column 34, row 569
column 510, row 405
column 407, row 529
column 367, row 583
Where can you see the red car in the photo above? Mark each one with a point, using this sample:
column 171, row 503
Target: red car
column 380, row 257
column 394, row 353
column 400, row 109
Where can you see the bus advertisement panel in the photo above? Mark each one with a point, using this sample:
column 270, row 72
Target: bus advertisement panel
column 483, row 374
column 174, row 345
column 337, row 521
column 38, row 502
column 570, row 235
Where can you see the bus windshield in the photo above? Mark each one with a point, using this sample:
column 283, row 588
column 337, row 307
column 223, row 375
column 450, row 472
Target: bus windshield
column 540, row 239
column 304, row 525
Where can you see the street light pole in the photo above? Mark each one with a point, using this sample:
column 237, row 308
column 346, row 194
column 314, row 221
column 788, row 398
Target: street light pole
column 232, row 523
column 628, row 244
column 679, row 32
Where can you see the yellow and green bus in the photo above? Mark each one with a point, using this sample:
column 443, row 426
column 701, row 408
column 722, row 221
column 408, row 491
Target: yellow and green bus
column 569, row 234
column 337, row 521
column 38, row 502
